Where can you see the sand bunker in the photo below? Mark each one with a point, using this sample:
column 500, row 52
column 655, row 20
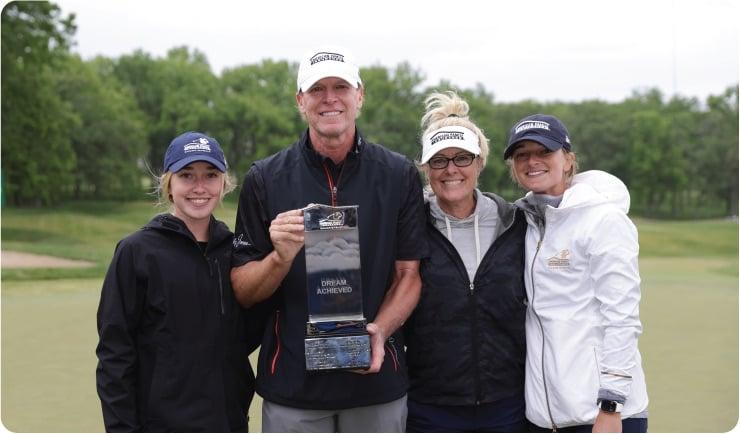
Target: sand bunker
column 11, row 259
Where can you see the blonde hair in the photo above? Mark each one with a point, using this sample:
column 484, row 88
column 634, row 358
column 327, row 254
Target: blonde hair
column 447, row 110
column 162, row 189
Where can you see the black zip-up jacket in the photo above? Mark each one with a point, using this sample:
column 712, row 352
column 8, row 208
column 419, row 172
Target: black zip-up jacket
column 465, row 343
column 173, row 341
column 387, row 188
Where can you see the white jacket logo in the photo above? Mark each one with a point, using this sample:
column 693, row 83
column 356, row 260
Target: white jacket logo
column 560, row 260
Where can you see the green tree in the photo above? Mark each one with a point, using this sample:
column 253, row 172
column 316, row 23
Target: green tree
column 176, row 93
column 392, row 108
column 110, row 139
column 37, row 155
column 655, row 165
column 717, row 160
column 255, row 113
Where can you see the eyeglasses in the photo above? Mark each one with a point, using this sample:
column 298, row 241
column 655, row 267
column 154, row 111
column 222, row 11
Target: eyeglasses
column 460, row 160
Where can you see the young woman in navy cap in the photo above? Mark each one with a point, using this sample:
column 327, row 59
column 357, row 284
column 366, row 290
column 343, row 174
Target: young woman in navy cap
column 173, row 343
column 583, row 371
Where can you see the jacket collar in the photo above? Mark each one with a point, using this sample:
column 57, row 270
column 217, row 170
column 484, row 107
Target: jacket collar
column 167, row 222
column 506, row 211
column 317, row 159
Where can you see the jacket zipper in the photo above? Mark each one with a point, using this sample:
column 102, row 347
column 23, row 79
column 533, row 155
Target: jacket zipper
column 220, row 282
column 332, row 186
column 542, row 330
column 220, row 286
column 471, row 287
column 273, row 364
column 474, row 339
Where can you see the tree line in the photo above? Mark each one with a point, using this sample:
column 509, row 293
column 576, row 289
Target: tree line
column 97, row 129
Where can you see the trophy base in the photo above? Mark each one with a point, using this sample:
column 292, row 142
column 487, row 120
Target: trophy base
column 331, row 353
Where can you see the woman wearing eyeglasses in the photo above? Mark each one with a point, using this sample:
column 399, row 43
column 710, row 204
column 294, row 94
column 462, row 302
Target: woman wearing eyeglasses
column 465, row 339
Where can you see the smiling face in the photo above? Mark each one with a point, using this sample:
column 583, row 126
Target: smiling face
column 454, row 185
column 540, row 170
column 330, row 106
column 195, row 191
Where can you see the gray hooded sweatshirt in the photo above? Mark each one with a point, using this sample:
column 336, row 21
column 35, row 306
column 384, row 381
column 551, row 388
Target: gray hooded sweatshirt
column 472, row 236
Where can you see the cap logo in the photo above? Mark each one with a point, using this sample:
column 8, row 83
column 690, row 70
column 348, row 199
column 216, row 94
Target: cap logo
column 528, row 125
column 201, row 145
column 320, row 57
column 446, row 135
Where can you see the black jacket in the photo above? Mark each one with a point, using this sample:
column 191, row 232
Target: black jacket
column 465, row 344
column 387, row 188
column 173, row 344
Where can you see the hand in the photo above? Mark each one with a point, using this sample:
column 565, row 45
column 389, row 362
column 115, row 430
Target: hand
column 377, row 349
column 608, row 422
column 287, row 234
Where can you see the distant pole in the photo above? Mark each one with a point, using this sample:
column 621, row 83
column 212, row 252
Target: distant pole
column 673, row 46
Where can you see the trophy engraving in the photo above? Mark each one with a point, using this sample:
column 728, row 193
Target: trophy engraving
column 336, row 337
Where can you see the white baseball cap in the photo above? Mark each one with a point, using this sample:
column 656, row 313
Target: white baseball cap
column 449, row 137
column 328, row 61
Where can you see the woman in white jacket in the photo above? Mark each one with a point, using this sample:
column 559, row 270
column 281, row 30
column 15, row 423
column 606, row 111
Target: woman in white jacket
column 583, row 369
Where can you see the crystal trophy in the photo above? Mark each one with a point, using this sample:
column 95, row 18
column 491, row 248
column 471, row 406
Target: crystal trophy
column 336, row 337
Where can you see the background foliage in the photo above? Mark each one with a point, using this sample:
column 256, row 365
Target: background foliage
column 98, row 129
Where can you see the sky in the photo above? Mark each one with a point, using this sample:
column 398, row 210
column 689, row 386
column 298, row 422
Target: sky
column 566, row 50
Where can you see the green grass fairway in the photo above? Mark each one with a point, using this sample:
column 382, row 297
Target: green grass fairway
column 689, row 348
column 689, row 312
column 48, row 357
column 689, row 345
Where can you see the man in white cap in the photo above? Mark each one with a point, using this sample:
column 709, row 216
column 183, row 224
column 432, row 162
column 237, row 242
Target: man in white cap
column 330, row 164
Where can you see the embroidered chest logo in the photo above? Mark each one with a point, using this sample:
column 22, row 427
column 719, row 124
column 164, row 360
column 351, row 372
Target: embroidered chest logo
column 239, row 241
column 560, row 260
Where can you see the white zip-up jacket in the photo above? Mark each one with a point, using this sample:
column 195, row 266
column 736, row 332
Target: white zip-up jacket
column 582, row 322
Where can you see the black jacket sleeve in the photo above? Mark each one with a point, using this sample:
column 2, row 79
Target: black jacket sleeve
column 119, row 312
column 411, row 232
column 251, row 231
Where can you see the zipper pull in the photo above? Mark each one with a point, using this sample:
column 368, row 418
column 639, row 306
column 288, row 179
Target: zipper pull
column 472, row 288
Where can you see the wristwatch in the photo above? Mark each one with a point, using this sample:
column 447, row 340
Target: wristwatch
column 609, row 406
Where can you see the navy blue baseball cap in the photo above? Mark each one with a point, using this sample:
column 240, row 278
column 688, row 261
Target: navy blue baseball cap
column 190, row 147
column 546, row 130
